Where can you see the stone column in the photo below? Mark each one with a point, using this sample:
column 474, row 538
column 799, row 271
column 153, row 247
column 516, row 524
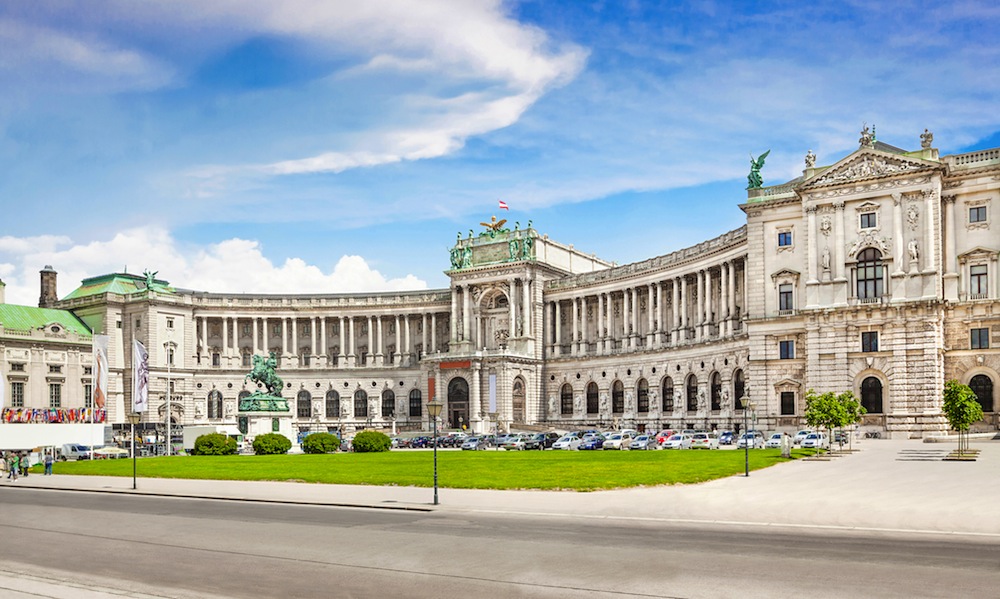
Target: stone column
column 433, row 339
column 675, row 325
column 526, row 308
column 600, row 323
column 467, row 314
column 202, row 336
column 708, row 303
column 558, row 330
column 379, row 347
column 342, row 332
column 253, row 326
column 406, row 337
column 512, row 307
column 927, row 251
column 284, row 336
column 295, row 335
column 323, row 345
column 732, row 293
column 661, row 316
column 810, row 243
column 453, row 317
column 951, row 261
column 400, row 349
column 699, row 314
column 266, row 337
column 584, row 340
column 352, row 355
column 723, row 317
column 650, row 305
column 897, row 232
column 838, row 235
column 225, row 340
column 574, row 343
column 313, row 335
column 684, row 309
column 634, row 322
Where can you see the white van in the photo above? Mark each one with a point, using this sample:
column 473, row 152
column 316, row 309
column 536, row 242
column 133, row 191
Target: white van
column 73, row 451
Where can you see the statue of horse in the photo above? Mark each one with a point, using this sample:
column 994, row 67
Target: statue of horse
column 263, row 372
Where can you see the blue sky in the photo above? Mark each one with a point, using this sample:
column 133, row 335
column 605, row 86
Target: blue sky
column 327, row 146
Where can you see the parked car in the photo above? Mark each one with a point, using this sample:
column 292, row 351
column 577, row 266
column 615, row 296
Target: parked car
column 841, row 437
column 541, row 441
column 617, row 441
column 644, row 442
column 727, row 438
column 751, row 439
column 517, row 442
column 663, row 436
column 774, row 441
column 678, row 441
column 704, row 441
column 816, row 440
column 474, row 443
column 595, row 441
column 567, row 442
column 799, row 436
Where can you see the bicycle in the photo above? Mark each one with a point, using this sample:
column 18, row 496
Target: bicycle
column 873, row 435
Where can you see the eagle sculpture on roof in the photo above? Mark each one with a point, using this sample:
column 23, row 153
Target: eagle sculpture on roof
column 494, row 224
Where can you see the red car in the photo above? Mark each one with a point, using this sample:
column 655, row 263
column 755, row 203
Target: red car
column 663, row 436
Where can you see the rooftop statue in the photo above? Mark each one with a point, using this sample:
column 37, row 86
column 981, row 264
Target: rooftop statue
column 150, row 277
column 754, row 180
column 494, row 226
column 926, row 139
column 810, row 159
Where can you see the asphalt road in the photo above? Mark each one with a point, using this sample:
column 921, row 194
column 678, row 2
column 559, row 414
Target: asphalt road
column 202, row 548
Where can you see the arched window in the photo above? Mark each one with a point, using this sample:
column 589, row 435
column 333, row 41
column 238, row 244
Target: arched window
column 416, row 403
column 982, row 386
column 692, row 393
column 243, row 393
column 303, row 404
column 388, row 403
column 566, row 399
column 869, row 274
column 642, row 396
column 618, row 397
column 593, row 403
column 716, row 392
column 667, row 394
column 361, row 404
column 332, row 404
column 739, row 389
column 215, row 404
column 871, row 395
column 518, row 399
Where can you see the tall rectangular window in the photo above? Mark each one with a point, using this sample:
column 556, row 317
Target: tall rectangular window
column 869, row 220
column 17, row 395
column 785, row 297
column 869, row 341
column 55, row 395
column 786, row 350
column 979, row 338
column 977, row 214
column 978, row 280
column 216, row 359
column 170, row 323
column 88, row 398
column 170, row 356
column 787, row 403
column 784, row 238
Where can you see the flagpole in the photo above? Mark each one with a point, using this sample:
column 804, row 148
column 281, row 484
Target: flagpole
column 167, row 347
column 92, row 398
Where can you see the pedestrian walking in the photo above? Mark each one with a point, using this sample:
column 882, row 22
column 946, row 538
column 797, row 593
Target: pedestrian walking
column 14, row 464
column 48, row 463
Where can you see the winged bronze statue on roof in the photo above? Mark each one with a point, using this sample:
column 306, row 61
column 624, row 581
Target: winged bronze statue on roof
column 494, row 226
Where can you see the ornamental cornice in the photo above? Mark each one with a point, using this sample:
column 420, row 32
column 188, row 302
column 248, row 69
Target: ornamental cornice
column 866, row 188
column 866, row 165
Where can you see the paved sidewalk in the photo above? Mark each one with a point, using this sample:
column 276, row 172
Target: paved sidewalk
column 886, row 485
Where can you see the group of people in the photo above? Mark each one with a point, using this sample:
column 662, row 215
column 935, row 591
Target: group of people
column 17, row 464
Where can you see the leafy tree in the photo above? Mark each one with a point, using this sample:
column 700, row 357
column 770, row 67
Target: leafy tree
column 214, row 444
column 371, row 442
column 829, row 410
column 961, row 408
column 320, row 443
column 271, row 444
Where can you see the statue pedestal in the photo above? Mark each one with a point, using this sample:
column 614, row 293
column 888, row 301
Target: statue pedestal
column 261, row 413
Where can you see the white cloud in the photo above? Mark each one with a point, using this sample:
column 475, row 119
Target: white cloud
column 230, row 266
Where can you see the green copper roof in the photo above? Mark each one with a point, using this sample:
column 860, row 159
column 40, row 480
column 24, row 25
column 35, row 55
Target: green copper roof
column 26, row 318
column 117, row 283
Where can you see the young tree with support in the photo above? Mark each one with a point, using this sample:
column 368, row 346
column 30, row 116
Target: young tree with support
column 961, row 408
column 829, row 410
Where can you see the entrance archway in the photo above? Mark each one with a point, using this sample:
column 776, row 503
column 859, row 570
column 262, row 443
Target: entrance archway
column 458, row 402
column 871, row 395
column 518, row 399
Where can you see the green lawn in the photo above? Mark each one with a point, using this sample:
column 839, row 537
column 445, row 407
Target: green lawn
column 573, row 470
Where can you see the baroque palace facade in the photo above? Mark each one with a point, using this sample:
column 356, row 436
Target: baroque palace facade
column 875, row 274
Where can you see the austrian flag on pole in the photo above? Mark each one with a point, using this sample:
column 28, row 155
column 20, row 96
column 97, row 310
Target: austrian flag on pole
column 503, row 205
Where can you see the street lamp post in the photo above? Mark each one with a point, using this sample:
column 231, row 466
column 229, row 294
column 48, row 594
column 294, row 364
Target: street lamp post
column 133, row 419
column 434, row 410
column 747, row 406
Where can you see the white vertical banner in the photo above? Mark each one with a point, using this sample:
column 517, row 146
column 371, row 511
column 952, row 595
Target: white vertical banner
column 493, row 393
column 100, row 389
column 140, row 377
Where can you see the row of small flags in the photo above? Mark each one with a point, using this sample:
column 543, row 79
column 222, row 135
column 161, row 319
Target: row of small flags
column 27, row 415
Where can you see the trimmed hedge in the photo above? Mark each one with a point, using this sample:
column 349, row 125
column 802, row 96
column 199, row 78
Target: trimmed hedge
column 214, row 444
column 371, row 442
column 271, row 444
column 320, row 443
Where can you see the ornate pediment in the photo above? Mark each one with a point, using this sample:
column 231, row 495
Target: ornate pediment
column 785, row 273
column 870, row 238
column 787, row 384
column 978, row 253
column 865, row 165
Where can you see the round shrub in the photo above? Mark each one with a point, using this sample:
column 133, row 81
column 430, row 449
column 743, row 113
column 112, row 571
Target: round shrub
column 214, row 444
column 371, row 442
column 320, row 443
column 271, row 444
